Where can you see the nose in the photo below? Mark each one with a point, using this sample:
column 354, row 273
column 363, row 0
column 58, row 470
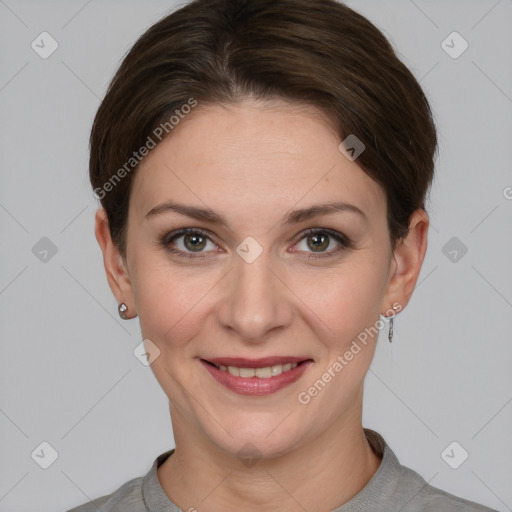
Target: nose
column 256, row 300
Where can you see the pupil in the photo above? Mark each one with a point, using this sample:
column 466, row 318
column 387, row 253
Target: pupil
column 196, row 241
column 322, row 245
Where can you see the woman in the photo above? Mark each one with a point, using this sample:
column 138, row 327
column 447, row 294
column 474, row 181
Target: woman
column 262, row 168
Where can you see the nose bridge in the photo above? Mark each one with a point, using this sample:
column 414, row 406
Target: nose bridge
column 255, row 300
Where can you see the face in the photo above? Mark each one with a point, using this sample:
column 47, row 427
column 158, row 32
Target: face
column 266, row 282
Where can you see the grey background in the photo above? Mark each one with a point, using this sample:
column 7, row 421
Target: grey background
column 68, row 375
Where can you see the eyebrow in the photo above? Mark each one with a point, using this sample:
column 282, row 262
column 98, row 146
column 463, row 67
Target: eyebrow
column 293, row 217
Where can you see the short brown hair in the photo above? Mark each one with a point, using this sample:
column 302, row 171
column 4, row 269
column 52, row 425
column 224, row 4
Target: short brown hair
column 315, row 52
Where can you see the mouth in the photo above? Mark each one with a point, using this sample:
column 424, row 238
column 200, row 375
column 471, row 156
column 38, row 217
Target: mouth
column 261, row 368
column 256, row 376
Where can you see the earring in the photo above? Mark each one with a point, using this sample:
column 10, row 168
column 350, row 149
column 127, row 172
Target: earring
column 122, row 309
column 390, row 334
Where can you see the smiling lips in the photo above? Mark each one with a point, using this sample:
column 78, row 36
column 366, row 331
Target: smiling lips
column 256, row 376
column 242, row 362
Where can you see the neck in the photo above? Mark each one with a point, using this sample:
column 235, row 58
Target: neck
column 322, row 474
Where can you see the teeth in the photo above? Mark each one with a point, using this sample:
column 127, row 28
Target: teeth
column 262, row 373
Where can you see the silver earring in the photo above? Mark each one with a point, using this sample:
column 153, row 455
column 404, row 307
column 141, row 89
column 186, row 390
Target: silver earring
column 390, row 334
column 122, row 308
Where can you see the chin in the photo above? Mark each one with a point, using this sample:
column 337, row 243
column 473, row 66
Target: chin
column 262, row 438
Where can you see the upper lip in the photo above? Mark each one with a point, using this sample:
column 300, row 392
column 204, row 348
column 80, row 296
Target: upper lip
column 243, row 362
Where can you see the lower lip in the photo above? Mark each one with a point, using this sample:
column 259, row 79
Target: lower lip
column 256, row 386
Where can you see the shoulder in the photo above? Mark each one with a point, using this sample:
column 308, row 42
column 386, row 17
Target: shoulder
column 397, row 487
column 128, row 498
column 423, row 497
column 140, row 494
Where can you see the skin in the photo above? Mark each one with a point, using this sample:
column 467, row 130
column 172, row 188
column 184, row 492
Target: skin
column 253, row 162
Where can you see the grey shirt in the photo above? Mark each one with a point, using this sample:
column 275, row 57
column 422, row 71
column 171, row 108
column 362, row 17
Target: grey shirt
column 393, row 488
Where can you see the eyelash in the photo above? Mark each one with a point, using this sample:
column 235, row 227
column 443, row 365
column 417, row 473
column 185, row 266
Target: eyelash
column 344, row 242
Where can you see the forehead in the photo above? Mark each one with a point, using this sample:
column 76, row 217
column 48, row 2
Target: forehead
column 253, row 157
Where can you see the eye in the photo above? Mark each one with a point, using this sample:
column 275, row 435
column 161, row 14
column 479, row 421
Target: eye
column 193, row 240
column 319, row 239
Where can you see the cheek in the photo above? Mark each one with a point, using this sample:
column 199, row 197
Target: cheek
column 346, row 300
column 171, row 302
column 349, row 305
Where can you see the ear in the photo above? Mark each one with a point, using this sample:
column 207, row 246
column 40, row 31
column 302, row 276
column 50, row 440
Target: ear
column 406, row 264
column 115, row 266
